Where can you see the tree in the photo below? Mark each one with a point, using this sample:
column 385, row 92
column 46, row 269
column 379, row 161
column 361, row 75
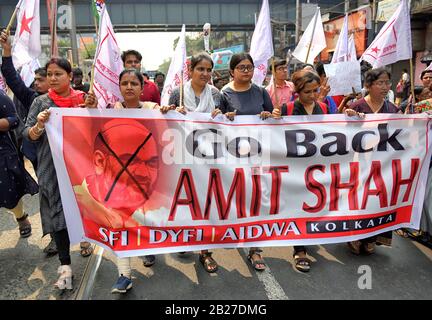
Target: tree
column 194, row 45
column 165, row 66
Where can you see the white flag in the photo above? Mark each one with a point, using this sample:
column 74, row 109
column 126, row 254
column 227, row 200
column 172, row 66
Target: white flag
column 178, row 64
column 314, row 38
column 393, row 43
column 261, row 49
column 430, row 67
column 107, row 64
column 352, row 55
column 342, row 47
column 26, row 46
column 2, row 83
column 28, row 71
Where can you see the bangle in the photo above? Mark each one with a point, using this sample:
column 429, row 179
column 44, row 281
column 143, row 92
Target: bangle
column 39, row 128
column 38, row 131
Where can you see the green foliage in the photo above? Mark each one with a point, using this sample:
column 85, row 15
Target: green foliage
column 165, row 66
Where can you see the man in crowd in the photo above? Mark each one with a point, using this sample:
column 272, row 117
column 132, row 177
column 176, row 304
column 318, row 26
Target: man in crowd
column 77, row 81
column 132, row 59
column 284, row 89
column 160, row 81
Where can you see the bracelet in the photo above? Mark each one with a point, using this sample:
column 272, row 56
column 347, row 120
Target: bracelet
column 38, row 131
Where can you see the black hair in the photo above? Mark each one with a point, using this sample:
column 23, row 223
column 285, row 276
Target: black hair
column 134, row 72
column 77, row 72
column 373, row 75
column 61, row 62
column 319, row 68
column 41, row 71
column 418, row 90
column 278, row 62
column 200, row 57
column 131, row 52
column 239, row 57
column 159, row 74
column 424, row 72
column 302, row 77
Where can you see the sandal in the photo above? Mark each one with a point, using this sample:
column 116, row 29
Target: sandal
column 257, row 261
column 209, row 264
column 86, row 249
column 149, row 260
column 355, row 247
column 402, row 233
column 24, row 226
column 65, row 279
column 369, row 248
column 302, row 264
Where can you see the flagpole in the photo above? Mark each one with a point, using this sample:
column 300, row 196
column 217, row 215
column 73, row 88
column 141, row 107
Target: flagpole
column 413, row 101
column 93, row 64
column 313, row 34
column 274, row 84
column 181, row 89
column 12, row 19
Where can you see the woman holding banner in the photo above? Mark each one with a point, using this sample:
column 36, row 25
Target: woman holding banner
column 242, row 97
column 307, row 85
column 131, row 83
column 199, row 96
column 60, row 95
column 378, row 84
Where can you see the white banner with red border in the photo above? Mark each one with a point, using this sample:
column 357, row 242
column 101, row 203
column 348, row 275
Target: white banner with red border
column 138, row 182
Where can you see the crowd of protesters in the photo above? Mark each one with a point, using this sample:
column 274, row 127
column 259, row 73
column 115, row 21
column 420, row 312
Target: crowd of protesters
column 57, row 85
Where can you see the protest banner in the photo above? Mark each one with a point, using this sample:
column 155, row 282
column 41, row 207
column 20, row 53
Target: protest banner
column 342, row 77
column 184, row 183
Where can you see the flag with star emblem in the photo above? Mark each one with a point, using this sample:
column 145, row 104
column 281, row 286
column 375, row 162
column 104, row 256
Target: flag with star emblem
column 393, row 42
column 26, row 46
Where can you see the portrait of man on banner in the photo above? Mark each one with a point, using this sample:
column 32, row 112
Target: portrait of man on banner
column 119, row 187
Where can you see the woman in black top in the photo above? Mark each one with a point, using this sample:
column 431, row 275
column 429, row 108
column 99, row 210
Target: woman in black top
column 307, row 86
column 15, row 181
column 241, row 96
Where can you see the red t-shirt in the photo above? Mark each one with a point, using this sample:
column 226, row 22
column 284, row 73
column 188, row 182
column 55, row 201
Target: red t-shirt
column 150, row 92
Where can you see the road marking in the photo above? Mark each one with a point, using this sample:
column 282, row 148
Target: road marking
column 272, row 288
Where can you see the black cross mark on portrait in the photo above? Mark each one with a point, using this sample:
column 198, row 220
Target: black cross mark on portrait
column 125, row 161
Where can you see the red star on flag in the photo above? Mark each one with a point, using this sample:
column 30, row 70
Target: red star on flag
column 375, row 50
column 25, row 24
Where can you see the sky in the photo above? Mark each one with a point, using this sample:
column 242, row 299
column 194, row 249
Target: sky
column 154, row 46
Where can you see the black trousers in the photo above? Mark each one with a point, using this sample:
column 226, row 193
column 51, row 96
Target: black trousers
column 62, row 241
column 299, row 249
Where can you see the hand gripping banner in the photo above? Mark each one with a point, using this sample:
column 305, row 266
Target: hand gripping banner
column 137, row 182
